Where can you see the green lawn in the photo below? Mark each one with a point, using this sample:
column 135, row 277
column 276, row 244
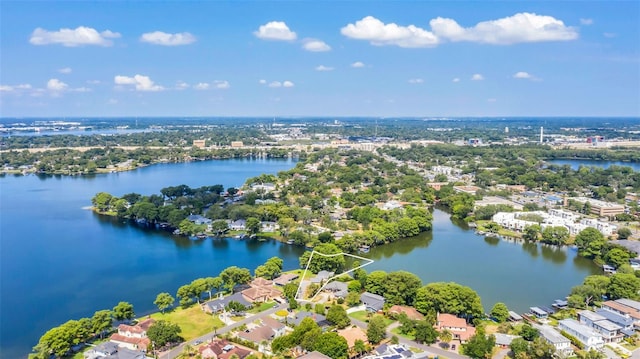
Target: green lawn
column 396, row 331
column 193, row 321
column 363, row 316
column 261, row 308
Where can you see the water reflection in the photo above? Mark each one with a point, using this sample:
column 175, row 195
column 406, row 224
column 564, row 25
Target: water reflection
column 555, row 254
column 491, row 240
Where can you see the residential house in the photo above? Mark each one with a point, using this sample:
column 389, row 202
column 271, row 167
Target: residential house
column 391, row 351
column 624, row 321
column 265, row 332
column 222, row 349
column 295, row 318
column 313, row 355
column 504, row 340
column 322, row 277
column 626, row 307
column 133, row 337
column 339, row 289
column 586, row 335
column 373, row 302
column 514, row 317
column 351, row 334
column 559, row 341
column 539, row 312
column 410, row 312
column 218, row 304
column 198, row 219
column 261, row 290
column 285, row 278
column 466, row 189
column 266, row 226
column 109, row 350
column 458, row 327
column 610, row 331
column 237, row 225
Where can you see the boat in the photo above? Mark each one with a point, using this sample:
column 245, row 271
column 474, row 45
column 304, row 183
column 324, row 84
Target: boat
column 291, row 241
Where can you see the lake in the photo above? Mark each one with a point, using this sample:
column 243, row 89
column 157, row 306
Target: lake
column 60, row 262
column 575, row 164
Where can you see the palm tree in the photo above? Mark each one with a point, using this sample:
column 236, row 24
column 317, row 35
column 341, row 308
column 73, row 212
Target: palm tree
column 445, row 336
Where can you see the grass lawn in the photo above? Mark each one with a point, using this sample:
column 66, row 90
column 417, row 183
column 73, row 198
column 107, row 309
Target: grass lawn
column 193, row 321
column 396, row 331
column 362, row 316
column 261, row 308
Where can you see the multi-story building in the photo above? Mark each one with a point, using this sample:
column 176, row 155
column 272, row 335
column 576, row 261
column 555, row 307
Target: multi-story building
column 589, row 338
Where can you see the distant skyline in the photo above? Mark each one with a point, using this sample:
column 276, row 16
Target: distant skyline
column 382, row 59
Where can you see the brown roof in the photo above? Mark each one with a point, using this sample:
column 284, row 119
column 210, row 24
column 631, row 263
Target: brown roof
column 285, row 278
column 274, row 324
column 140, row 343
column 353, row 334
column 215, row 349
column 139, row 328
column 313, row 355
column 261, row 282
column 411, row 312
column 622, row 308
column 258, row 334
column 255, row 294
column 145, row 324
column 445, row 320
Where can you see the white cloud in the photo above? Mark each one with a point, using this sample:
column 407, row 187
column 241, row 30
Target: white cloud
column 65, row 70
column 23, row 87
column 181, row 85
column 379, row 33
column 315, row 45
column 93, row 82
column 586, row 21
column 324, row 68
column 82, row 89
column 416, row 81
column 112, row 101
column 492, row 100
column 477, row 77
column 262, row 82
column 202, row 86
column 6, row 88
column 522, row 75
column 166, row 39
column 141, row 83
column 609, row 35
column 456, row 79
column 275, row 84
column 275, row 30
column 287, row 84
column 56, row 85
column 79, row 36
column 221, row 84
column 519, row 28
column 357, row 64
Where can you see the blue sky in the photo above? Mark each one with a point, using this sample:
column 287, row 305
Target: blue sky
column 357, row 58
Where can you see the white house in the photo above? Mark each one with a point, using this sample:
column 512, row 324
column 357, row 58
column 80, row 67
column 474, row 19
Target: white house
column 587, row 336
column 562, row 344
column 610, row 331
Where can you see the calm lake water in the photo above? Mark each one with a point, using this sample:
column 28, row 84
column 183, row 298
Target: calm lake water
column 575, row 164
column 60, row 262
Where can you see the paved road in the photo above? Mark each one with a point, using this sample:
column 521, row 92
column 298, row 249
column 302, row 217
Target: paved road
column 177, row 350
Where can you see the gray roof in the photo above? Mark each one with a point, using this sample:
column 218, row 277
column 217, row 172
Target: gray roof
column 594, row 317
column 372, row 301
column 219, row 304
column 552, row 335
column 105, row 348
column 320, row 319
column 538, row 311
column 575, row 326
column 504, row 339
column 607, row 325
column 515, row 316
column 616, row 318
column 124, row 353
column 629, row 303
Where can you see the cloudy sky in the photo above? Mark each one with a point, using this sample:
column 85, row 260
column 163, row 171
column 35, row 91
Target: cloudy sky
column 503, row 58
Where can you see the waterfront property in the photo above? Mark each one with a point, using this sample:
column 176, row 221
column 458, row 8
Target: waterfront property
column 133, row 337
column 561, row 343
column 373, row 302
column 589, row 338
column 222, row 349
column 458, row 327
column 111, row 350
column 410, row 312
column 219, row 304
column 610, row 331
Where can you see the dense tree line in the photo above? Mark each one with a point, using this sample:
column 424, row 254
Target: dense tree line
column 60, row 340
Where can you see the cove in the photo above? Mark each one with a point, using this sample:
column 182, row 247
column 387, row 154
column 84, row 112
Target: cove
column 520, row 275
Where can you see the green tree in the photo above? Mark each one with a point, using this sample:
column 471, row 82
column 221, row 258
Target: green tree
column 359, row 347
column 376, row 329
column 123, row 311
column 500, row 312
column 185, row 294
column 338, row 316
column 594, row 354
column 164, row 301
column 540, row 348
column 232, row 276
column 624, row 285
column 445, row 336
column 557, row 235
column 400, row 287
column 332, row 345
column 219, row 227
column 253, row 225
column 270, row 269
column 519, row 345
column 479, row 346
column 163, row 332
column 101, row 201
column 425, row 333
column 449, row 298
column 589, row 242
column 320, row 262
column 618, row 256
column 531, row 233
column 101, row 322
column 624, row 233
column 529, row 333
